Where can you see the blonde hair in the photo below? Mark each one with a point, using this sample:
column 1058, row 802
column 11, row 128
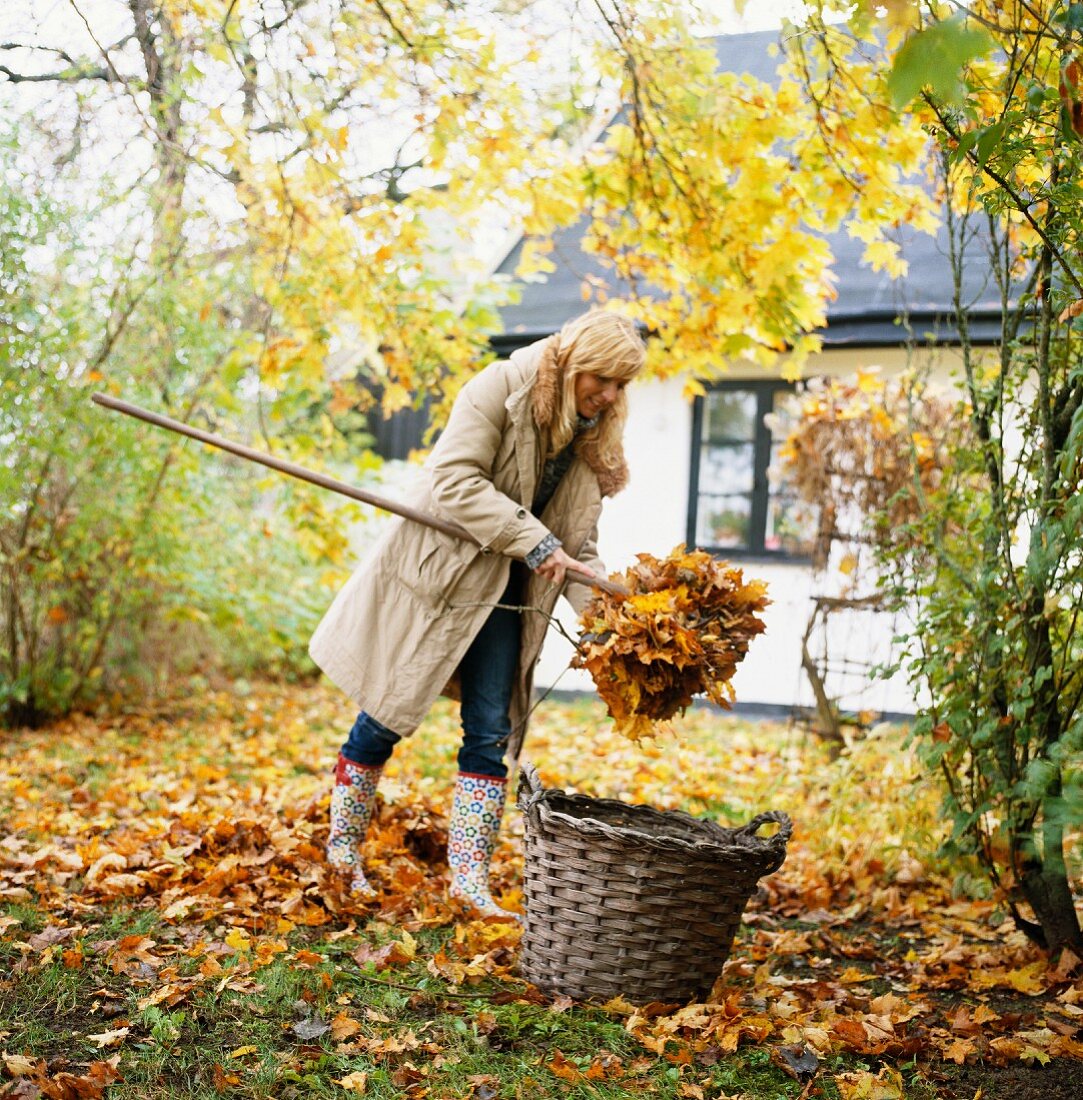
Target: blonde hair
column 608, row 345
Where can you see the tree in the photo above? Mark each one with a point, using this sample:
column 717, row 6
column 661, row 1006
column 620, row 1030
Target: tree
column 244, row 215
column 990, row 561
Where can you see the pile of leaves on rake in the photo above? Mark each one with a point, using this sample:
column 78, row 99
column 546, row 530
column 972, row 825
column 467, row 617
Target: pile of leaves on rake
column 681, row 632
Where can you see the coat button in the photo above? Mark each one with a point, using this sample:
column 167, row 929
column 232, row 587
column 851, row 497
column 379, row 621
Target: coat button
column 486, row 549
column 521, row 513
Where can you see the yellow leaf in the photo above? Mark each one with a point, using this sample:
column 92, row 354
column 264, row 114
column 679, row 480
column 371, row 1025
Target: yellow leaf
column 109, row 1038
column 869, row 380
column 852, row 975
column 242, row 1052
column 352, row 1082
column 239, row 939
column 885, row 1085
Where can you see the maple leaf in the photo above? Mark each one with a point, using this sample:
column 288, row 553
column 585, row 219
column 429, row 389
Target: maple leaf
column 960, row 1050
column 133, row 948
column 396, row 953
column 88, row 1086
column 18, row 1065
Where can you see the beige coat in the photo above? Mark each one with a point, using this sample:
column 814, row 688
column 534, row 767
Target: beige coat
column 396, row 632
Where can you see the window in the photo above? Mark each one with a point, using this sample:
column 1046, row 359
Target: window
column 732, row 507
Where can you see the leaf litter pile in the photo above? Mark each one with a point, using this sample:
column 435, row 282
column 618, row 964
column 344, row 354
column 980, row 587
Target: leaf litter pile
column 166, row 916
column 681, row 633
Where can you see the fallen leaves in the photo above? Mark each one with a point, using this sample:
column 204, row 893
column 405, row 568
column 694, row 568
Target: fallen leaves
column 89, row 1084
column 885, row 1085
column 858, row 947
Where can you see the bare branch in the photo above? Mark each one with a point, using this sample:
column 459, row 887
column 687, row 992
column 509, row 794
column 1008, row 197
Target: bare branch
column 68, row 76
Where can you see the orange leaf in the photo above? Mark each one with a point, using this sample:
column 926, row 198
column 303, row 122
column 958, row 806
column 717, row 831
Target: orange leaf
column 561, row 1067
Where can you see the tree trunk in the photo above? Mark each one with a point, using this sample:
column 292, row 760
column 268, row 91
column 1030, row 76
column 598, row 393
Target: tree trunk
column 1044, row 883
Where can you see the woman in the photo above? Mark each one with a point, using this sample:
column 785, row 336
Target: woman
column 532, row 446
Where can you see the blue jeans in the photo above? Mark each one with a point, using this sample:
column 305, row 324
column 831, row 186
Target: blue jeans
column 487, row 679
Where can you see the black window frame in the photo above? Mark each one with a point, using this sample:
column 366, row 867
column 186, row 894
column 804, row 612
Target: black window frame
column 765, row 391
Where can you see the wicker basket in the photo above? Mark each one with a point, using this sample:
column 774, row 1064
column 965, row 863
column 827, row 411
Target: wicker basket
column 631, row 901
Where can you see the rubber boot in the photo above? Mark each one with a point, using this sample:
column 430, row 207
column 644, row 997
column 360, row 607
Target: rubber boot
column 352, row 802
column 476, row 812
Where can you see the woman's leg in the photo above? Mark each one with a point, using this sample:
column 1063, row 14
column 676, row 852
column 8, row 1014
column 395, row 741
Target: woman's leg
column 360, row 761
column 487, row 676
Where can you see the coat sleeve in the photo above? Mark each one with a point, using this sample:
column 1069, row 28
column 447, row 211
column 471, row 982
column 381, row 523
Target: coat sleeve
column 462, row 469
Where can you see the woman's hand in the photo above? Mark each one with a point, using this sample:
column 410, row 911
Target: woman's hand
column 558, row 563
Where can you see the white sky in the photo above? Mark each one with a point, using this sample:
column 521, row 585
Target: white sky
column 50, row 21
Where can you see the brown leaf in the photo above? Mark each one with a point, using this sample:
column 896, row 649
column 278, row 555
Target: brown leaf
column 343, row 1026
column 389, row 955
column 88, row 1086
column 50, row 935
column 484, row 1086
column 604, row 1067
column 19, row 1065
column 799, row 1060
column 221, row 1080
column 960, row 1050
column 849, row 1031
column 407, row 1074
column 1069, row 963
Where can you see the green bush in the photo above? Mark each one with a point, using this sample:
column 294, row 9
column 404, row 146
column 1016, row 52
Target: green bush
column 127, row 553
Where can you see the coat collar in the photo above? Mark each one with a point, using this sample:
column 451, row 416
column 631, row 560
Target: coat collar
column 541, row 394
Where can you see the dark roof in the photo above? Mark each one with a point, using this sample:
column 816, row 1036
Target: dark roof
column 868, row 305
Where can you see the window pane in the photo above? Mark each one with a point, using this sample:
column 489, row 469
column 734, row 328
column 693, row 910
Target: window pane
column 789, row 530
column 731, row 414
column 723, row 521
column 727, row 469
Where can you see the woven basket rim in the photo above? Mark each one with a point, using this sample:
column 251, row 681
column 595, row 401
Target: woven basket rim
column 711, row 840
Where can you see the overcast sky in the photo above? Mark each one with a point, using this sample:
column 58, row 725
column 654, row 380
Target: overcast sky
column 43, row 20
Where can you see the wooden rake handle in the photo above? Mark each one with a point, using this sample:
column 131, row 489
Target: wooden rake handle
column 311, row 476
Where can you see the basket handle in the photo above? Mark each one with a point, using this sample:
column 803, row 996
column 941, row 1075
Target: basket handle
column 785, row 827
column 531, row 793
column 530, row 789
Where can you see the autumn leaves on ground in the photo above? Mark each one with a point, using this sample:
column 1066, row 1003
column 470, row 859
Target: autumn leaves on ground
column 169, row 926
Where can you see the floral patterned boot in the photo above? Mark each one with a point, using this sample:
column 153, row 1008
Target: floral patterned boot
column 352, row 802
column 476, row 812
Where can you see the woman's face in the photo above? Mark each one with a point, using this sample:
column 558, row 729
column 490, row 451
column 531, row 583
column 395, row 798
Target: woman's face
column 594, row 394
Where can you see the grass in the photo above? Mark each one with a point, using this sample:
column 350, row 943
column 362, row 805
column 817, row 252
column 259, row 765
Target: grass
column 264, row 1042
